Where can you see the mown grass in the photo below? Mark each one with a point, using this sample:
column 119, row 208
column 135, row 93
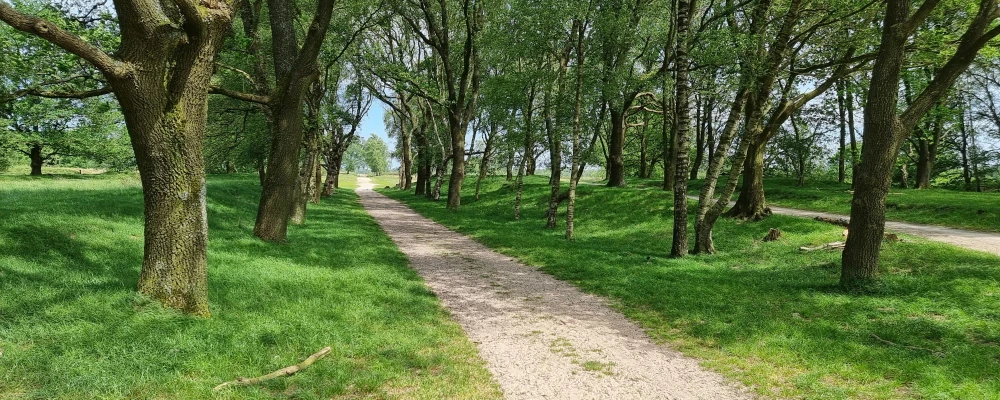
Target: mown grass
column 71, row 326
column 764, row 314
column 951, row 208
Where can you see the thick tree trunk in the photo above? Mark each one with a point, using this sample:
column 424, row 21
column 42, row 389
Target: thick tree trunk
column 168, row 139
column 751, row 204
column 616, row 149
column 278, row 196
column 332, row 178
column 37, row 160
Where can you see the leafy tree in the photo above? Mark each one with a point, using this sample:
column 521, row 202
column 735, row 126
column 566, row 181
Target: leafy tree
column 354, row 157
column 376, row 155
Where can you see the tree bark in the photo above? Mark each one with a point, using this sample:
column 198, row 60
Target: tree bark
column 679, row 244
column 35, row 155
column 616, row 149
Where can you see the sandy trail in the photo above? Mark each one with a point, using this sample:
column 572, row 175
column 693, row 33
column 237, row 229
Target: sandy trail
column 542, row 338
column 982, row 241
column 988, row 242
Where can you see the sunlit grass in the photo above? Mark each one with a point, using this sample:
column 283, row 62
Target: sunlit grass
column 71, row 326
column 764, row 314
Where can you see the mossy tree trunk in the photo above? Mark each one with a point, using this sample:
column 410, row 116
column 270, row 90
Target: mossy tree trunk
column 160, row 75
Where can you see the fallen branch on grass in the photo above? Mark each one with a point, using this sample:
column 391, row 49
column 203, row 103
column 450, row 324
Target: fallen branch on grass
column 287, row 371
column 915, row 348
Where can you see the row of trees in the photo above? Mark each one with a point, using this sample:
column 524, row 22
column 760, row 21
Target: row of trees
column 689, row 89
column 639, row 87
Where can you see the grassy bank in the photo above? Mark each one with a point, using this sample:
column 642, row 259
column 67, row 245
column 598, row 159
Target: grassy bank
column 72, row 327
column 764, row 314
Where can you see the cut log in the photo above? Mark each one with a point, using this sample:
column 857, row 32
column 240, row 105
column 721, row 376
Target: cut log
column 828, row 246
column 287, row 371
column 835, row 221
column 772, row 235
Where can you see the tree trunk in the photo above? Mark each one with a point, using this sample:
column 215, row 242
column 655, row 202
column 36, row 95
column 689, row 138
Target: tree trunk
column 751, row 204
column 616, row 149
column 679, row 244
column 332, row 178
column 510, row 166
column 278, row 196
column 168, row 141
column 964, row 150
column 701, row 131
column 842, row 114
column 293, row 69
column 484, row 163
column 855, row 155
column 36, row 160
column 458, row 129
column 305, row 187
column 406, row 168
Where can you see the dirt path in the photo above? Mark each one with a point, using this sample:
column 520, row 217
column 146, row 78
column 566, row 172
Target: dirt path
column 982, row 241
column 542, row 338
column 974, row 240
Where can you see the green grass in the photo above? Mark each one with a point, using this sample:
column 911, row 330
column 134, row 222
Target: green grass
column 764, row 314
column 951, row 208
column 71, row 326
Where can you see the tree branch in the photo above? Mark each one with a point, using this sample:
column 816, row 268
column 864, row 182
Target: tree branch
column 253, row 98
column 67, row 41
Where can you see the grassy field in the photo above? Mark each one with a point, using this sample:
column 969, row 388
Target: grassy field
column 764, row 314
column 71, row 326
column 951, row 208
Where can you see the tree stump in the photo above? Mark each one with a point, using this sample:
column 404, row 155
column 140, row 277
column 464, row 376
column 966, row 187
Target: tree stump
column 772, row 235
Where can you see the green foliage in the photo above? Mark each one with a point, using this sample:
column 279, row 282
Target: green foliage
column 72, row 326
column 765, row 314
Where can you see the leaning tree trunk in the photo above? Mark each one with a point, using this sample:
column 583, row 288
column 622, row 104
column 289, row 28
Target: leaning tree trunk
column 36, row 160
